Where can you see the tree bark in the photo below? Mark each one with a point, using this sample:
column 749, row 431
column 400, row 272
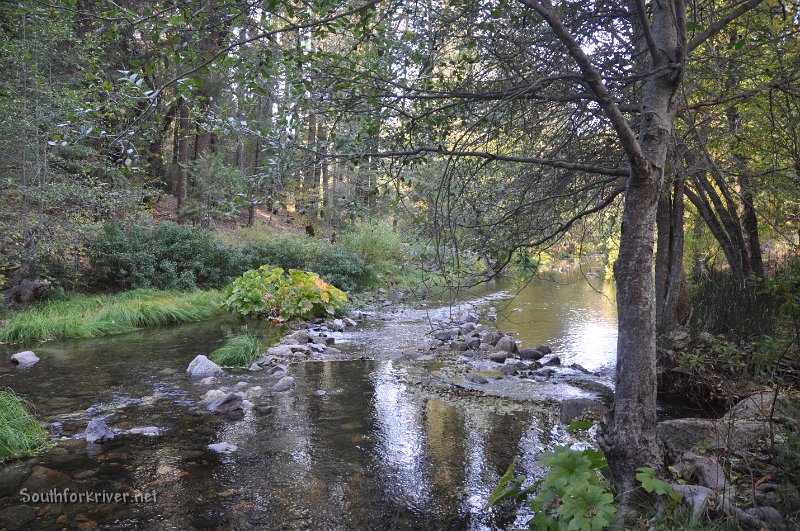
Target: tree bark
column 182, row 131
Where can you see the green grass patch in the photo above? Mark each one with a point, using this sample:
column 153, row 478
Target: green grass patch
column 94, row 316
column 20, row 434
column 239, row 351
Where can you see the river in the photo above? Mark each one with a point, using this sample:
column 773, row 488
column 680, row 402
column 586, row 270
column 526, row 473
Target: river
column 357, row 444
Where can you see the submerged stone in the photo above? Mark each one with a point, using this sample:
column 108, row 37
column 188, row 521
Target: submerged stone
column 25, row 359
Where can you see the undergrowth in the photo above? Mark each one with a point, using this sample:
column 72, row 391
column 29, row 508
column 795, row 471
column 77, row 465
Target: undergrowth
column 83, row 316
column 20, row 434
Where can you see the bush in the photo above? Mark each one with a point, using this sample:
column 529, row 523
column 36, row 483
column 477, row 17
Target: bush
column 722, row 306
column 336, row 265
column 20, row 434
column 239, row 351
column 268, row 292
column 339, row 266
column 374, row 242
column 163, row 256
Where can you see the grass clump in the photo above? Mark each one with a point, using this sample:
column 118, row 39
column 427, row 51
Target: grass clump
column 93, row 316
column 20, row 434
column 239, row 351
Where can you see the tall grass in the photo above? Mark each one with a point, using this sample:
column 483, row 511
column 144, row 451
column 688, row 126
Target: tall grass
column 20, row 433
column 239, row 351
column 93, row 316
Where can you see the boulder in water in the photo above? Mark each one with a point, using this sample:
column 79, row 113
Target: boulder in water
column 24, row 359
column 507, row 344
column 531, row 354
column 202, row 367
column 98, row 431
column 284, row 384
column 226, row 403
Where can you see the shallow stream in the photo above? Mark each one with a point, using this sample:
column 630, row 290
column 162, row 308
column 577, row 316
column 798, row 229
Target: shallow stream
column 358, row 444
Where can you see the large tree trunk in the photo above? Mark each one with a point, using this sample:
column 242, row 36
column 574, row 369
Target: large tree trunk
column 629, row 432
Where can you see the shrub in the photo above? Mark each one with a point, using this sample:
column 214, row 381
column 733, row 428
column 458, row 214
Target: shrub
column 375, row 242
column 215, row 190
column 163, row 256
column 339, row 266
column 20, row 434
column 239, row 351
column 268, row 292
column 336, row 265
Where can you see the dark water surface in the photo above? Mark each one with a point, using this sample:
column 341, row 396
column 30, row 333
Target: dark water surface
column 375, row 451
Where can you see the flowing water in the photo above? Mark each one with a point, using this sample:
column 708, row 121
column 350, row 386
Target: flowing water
column 357, row 444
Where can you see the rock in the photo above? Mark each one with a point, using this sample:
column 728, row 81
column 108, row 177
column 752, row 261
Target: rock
column 530, row 354
column 492, row 338
column 466, row 328
column 298, row 337
column 473, row 343
column 544, row 373
column 256, row 367
column 508, row 369
column 25, row 359
column 469, row 317
column 458, row 346
column 705, row 471
column 769, row 517
column 683, row 435
column 491, row 317
column 705, row 338
column 209, row 380
column 573, row 408
column 544, row 349
column 150, row 431
column 211, row 395
column 11, row 477
column 348, row 322
column 277, row 371
column 17, row 517
column 98, row 431
column 254, row 392
column 320, row 392
column 555, row 361
column 284, row 384
column 202, row 367
column 579, row 368
column 266, row 360
column 92, row 411
column 337, row 325
column 695, row 497
column 679, row 339
column 42, row 479
column 246, row 405
column 478, row 379
column 223, row 448
column 758, row 406
column 507, row 344
column 498, row 357
column 226, row 403
column 443, row 335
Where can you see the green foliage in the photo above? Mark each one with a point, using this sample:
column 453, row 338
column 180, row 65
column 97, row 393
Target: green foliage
column 380, row 247
column 269, row 292
column 572, row 495
column 214, row 192
column 651, row 484
column 163, row 256
column 335, row 264
column 83, row 316
column 239, row 351
column 20, row 434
